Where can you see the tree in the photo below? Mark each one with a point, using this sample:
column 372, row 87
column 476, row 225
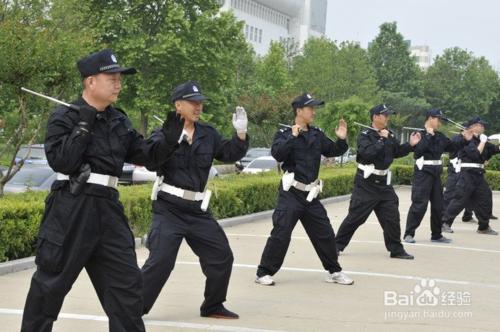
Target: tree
column 352, row 74
column 171, row 42
column 353, row 109
column 313, row 71
column 38, row 54
column 291, row 49
column 410, row 110
column 268, row 97
column 395, row 69
column 461, row 84
column 334, row 72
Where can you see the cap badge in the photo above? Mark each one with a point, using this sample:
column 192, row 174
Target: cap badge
column 113, row 58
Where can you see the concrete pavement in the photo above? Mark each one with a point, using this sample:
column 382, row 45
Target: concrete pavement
column 454, row 287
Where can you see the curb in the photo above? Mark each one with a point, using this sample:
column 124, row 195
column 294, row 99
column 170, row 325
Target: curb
column 21, row 264
column 17, row 265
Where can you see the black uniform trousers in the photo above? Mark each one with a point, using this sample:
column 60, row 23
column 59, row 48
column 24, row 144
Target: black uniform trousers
column 425, row 187
column 176, row 219
column 292, row 206
column 86, row 231
column 471, row 188
column 450, row 189
column 372, row 194
column 449, row 192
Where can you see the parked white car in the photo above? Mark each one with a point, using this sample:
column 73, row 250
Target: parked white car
column 261, row 164
column 347, row 157
column 495, row 137
column 142, row 175
column 31, row 177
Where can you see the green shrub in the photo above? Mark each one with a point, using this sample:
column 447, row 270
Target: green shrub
column 233, row 195
column 494, row 163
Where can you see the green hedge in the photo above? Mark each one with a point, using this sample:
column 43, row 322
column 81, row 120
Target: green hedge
column 233, row 195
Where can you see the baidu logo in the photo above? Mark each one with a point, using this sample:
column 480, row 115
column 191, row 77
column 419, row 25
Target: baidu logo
column 427, row 294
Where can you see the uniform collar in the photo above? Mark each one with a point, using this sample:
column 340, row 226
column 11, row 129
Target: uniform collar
column 200, row 131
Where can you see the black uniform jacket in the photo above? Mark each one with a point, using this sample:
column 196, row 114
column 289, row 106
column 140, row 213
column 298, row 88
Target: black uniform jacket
column 302, row 154
column 111, row 142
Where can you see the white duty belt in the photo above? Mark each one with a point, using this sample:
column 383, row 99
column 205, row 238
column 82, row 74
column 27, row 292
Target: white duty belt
column 95, row 178
column 420, row 162
column 458, row 165
column 471, row 165
column 189, row 195
column 370, row 169
column 314, row 188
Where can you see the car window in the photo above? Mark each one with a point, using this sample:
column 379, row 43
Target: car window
column 263, row 163
column 32, row 177
column 35, row 153
column 255, row 153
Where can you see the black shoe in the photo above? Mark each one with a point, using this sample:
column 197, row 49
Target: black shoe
column 402, row 255
column 222, row 313
column 488, row 231
column 469, row 219
column 446, row 228
column 442, row 239
column 492, row 217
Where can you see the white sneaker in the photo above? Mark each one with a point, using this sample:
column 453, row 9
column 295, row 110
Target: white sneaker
column 339, row 278
column 266, row 280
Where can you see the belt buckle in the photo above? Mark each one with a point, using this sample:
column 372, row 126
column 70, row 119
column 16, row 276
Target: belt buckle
column 189, row 195
column 112, row 181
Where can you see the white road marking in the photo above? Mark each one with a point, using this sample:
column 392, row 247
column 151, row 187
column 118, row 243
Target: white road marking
column 370, row 274
column 443, row 246
column 147, row 322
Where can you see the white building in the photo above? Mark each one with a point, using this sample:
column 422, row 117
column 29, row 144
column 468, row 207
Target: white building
column 266, row 20
column 423, row 56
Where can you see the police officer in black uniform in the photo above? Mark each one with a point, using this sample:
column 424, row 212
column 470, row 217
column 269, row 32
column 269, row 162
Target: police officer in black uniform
column 427, row 184
column 299, row 148
column 377, row 148
column 84, row 225
column 471, row 185
column 450, row 186
column 180, row 206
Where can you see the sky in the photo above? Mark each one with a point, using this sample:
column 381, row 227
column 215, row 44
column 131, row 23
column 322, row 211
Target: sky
column 469, row 24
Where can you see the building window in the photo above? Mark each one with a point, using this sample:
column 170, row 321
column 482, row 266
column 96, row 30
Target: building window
column 246, row 31
column 251, row 33
column 260, row 36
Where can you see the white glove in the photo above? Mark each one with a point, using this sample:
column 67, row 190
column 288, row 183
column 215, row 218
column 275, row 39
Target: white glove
column 240, row 120
column 483, row 138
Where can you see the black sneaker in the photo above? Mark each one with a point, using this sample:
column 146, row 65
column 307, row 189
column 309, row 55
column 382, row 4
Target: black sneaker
column 402, row 255
column 492, row 217
column 469, row 219
column 222, row 313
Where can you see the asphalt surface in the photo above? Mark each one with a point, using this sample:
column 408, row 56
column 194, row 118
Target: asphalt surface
column 448, row 287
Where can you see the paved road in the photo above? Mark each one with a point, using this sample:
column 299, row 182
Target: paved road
column 461, row 279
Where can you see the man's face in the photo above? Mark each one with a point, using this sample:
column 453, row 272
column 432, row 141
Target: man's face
column 435, row 122
column 381, row 120
column 190, row 110
column 307, row 113
column 105, row 87
column 477, row 129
